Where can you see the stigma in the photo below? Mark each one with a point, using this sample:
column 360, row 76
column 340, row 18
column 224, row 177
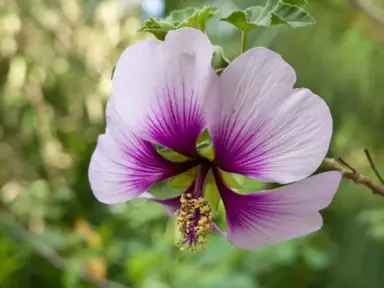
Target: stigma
column 194, row 221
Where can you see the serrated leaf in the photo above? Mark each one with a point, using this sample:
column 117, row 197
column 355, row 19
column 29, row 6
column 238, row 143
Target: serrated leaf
column 292, row 2
column 200, row 19
column 179, row 16
column 188, row 17
column 241, row 21
column 192, row 17
column 293, row 16
column 273, row 12
column 296, row 2
column 158, row 27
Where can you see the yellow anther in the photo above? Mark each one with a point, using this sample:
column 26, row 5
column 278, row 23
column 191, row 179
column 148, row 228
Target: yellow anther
column 194, row 221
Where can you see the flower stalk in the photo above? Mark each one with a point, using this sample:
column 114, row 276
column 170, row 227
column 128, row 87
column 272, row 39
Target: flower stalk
column 244, row 39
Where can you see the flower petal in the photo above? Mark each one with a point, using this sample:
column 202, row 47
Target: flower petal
column 261, row 127
column 119, row 172
column 124, row 166
column 274, row 216
column 160, row 88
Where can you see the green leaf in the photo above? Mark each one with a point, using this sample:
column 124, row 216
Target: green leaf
column 241, row 21
column 295, row 2
column 192, row 17
column 179, row 16
column 188, row 17
column 292, row 2
column 272, row 12
column 293, row 16
column 171, row 155
column 158, row 27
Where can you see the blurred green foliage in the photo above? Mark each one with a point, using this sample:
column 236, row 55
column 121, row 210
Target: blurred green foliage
column 56, row 59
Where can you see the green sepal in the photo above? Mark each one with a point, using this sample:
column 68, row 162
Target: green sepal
column 220, row 216
column 171, row 155
column 204, row 145
column 232, row 181
column 162, row 190
column 182, row 181
column 211, row 194
column 219, row 61
column 242, row 184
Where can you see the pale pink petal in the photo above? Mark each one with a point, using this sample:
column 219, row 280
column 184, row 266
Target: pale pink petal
column 262, row 127
column 274, row 216
column 123, row 166
column 119, row 172
column 160, row 88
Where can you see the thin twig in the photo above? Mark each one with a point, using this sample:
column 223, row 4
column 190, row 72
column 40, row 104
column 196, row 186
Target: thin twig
column 49, row 254
column 370, row 159
column 330, row 164
column 346, row 164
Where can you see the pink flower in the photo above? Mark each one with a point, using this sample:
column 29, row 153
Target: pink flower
column 167, row 93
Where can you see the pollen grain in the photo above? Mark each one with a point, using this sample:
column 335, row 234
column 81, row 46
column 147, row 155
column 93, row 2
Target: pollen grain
column 194, row 221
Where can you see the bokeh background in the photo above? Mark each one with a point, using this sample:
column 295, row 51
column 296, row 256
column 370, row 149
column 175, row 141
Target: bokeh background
column 56, row 58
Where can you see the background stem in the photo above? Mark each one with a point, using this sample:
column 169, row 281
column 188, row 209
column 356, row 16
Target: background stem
column 330, row 164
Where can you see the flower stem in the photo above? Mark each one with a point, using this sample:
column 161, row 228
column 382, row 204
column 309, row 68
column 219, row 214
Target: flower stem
column 244, row 37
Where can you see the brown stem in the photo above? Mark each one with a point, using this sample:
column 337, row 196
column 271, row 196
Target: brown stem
column 330, row 164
